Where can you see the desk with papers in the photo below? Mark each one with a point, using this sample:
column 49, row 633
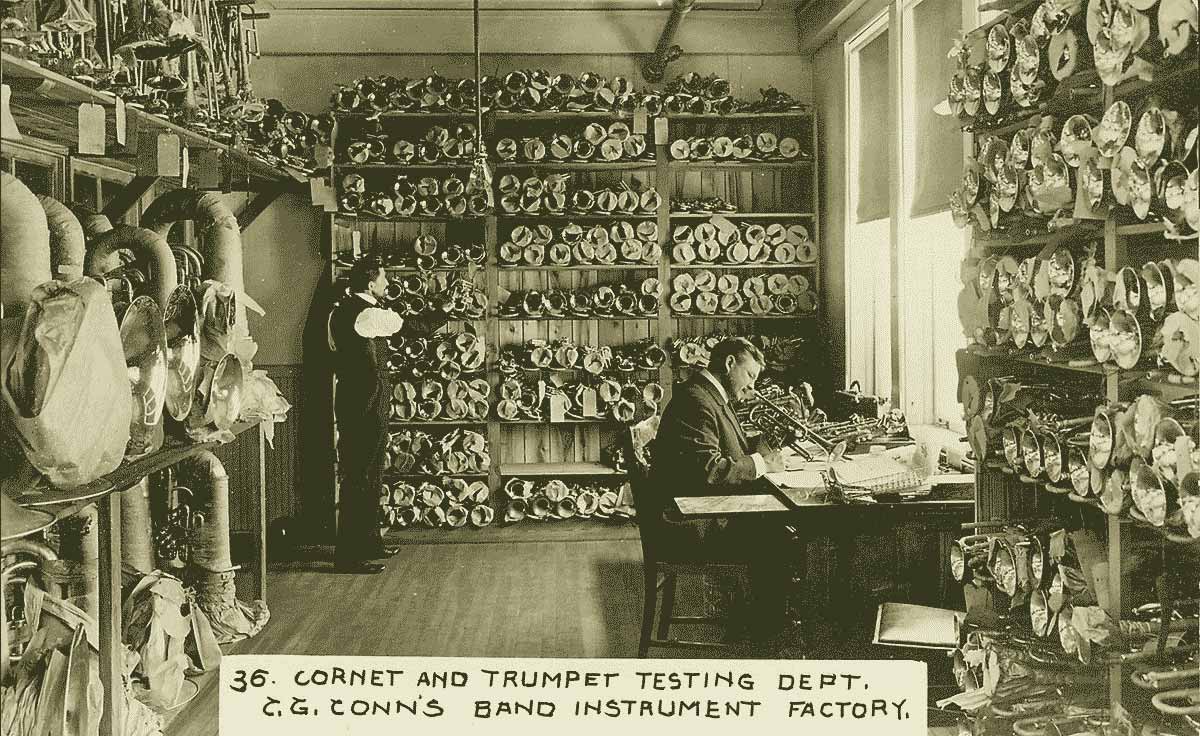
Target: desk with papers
column 854, row 556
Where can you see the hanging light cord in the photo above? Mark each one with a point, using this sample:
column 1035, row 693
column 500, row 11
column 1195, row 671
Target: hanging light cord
column 478, row 91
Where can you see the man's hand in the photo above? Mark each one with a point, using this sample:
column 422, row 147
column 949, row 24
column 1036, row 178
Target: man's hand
column 773, row 459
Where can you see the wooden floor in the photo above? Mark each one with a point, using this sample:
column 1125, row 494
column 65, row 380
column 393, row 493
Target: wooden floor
column 511, row 599
column 539, row 599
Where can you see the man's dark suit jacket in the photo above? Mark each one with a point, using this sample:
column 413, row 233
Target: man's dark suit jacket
column 700, row 449
column 362, row 402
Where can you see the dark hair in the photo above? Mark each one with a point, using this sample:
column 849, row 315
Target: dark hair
column 735, row 346
column 363, row 272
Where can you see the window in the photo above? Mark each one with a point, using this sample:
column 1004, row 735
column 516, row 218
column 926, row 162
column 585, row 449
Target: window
column 868, row 217
column 902, row 161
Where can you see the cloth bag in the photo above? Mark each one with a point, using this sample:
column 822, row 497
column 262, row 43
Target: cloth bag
column 64, row 383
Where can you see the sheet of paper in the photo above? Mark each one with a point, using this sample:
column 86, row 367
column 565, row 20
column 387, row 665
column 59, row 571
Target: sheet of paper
column 905, row 624
column 747, row 504
column 808, row 479
column 864, row 469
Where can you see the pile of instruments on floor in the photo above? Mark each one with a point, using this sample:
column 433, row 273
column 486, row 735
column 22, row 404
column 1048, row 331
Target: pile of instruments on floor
column 1035, row 649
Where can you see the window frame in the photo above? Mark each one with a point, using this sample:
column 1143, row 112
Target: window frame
column 871, row 30
column 915, row 348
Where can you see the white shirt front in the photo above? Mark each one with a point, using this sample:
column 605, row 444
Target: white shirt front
column 760, row 465
column 371, row 322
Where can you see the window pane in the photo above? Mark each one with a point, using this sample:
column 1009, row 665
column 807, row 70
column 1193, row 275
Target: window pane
column 874, row 127
column 869, row 307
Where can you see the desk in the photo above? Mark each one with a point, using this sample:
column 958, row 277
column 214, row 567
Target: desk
column 856, row 555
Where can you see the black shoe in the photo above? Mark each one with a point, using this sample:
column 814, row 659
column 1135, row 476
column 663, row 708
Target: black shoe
column 362, row 567
column 384, row 552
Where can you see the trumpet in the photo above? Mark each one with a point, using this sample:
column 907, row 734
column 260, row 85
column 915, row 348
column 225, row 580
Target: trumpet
column 789, row 430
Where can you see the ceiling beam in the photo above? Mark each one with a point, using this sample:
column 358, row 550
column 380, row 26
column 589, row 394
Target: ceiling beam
column 819, row 21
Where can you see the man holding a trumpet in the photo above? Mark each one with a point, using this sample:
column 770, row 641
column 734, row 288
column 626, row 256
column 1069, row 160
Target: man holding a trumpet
column 701, row 450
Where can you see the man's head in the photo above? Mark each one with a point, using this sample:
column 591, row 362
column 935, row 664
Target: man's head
column 736, row 363
column 370, row 276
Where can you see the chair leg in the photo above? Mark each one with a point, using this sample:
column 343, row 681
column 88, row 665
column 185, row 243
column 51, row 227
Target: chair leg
column 668, row 606
column 649, row 604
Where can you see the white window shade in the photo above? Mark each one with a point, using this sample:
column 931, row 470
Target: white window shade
column 875, row 127
column 936, row 167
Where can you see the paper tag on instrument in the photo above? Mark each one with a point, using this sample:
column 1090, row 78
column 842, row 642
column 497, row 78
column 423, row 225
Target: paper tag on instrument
column 640, row 122
column 558, row 408
column 660, row 131
column 119, row 117
column 589, row 402
column 1058, row 544
column 356, row 243
column 722, row 224
column 322, row 155
column 9, row 128
column 91, row 129
column 168, row 154
column 185, row 166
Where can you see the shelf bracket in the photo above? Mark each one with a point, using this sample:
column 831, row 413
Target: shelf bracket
column 129, row 196
column 257, row 206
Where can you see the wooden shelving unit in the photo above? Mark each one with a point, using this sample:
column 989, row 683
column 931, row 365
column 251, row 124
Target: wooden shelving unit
column 45, row 106
column 1003, row 494
column 572, row 448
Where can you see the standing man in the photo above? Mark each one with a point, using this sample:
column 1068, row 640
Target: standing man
column 358, row 328
column 701, row 450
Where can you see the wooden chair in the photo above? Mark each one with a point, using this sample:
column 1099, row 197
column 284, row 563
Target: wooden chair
column 662, row 563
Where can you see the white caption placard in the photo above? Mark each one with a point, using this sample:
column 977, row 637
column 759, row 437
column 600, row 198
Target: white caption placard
column 368, row 696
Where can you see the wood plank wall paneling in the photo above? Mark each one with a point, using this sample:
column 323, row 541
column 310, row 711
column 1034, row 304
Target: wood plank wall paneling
column 240, row 459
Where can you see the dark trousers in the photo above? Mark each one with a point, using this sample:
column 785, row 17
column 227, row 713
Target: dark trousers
column 362, row 443
column 765, row 548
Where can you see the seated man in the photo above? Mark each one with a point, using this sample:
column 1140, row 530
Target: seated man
column 701, row 450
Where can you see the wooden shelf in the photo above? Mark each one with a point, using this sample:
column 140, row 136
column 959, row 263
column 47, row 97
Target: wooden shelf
column 613, row 267
column 556, row 469
column 398, row 423
column 798, row 164
column 743, row 266
column 413, row 269
column 1142, row 228
column 572, row 318
column 393, row 474
column 591, row 216
column 548, row 423
column 1029, row 359
column 801, row 112
column 511, row 116
column 1078, row 230
column 404, row 115
column 401, row 167
column 412, row 218
column 577, row 165
column 53, row 100
column 798, row 317
column 128, row 474
column 743, row 215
